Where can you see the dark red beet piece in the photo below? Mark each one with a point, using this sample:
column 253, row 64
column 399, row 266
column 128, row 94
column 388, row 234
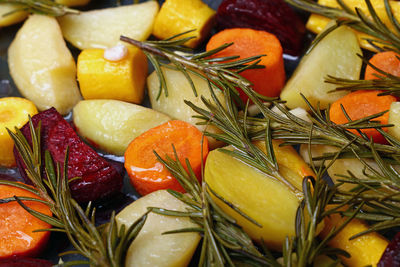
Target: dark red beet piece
column 25, row 262
column 99, row 178
column 391, row 256
column 273, row 16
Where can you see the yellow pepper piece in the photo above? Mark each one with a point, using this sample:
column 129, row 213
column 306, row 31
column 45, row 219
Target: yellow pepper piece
column 317, row 23
column 177, row 16
column 11, row 18
column 120, row 80
column 73, row 2
column 14, row 112
column 364, row 250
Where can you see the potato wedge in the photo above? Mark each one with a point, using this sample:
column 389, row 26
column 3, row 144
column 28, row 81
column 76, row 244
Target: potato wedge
column 179, row 89
column 151, row 247
column 102, row 28
column 334, row 55
column 42, row 66
column 111, row 124
column 268, row 201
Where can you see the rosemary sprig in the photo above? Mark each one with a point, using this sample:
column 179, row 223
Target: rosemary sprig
column 104, row 245
column 224, row 242
column 44, row 7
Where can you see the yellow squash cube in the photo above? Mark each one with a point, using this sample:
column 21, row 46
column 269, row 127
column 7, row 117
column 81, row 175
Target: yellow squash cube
column 14, row 112
column 103, row 79
column 317, row 23
column 177, row 16
column 365, row 250
column 13, row 18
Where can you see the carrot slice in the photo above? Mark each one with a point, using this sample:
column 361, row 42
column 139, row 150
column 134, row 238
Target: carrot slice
column 361, row 104
column 248, row 42
column 146, row 173
column 17, row 225
column 386, row 61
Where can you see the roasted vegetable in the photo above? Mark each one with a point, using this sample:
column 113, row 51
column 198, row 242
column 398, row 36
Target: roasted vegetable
column 152, row 247
column 111, row 124
column 334, row 55
column 106, row 25
column 41, row 65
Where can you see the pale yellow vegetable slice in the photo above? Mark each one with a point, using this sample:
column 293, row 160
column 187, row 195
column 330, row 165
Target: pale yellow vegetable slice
column 73, row 2
column 317, row 23
column 334, row 55
column 7, row 18
column 266, row 200
column 42, row 66
column 102, row 28
column 111, row 124
column 179, row 89
column 177, row 16
column 152, row 248
column 394, row 118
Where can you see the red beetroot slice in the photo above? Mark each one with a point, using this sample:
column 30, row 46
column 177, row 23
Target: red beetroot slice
column 391, row 256
column 98, row 180
column 25, row 262
column 273, row 16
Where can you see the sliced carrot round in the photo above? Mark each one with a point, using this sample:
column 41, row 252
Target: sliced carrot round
column 17, row 225
column 247, row 43
column 387, row 61
column 146, row 173
column 359, row 105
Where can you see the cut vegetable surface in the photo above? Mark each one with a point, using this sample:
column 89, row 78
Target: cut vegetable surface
column 41, row 65
column 266, row 200
column 247, row 43
column 178, row 16
column 361, row 104
column 111, row 124
column 365, row 250
column 14, row 112
column 386, row 61
column 17, row 225
column 102, row 28
column 146, row 172
column 151, row 247
column 124, row 79
column 10, row 15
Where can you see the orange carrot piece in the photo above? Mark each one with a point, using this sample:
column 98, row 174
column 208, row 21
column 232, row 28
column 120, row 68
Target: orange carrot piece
column 248, row 42
column 361, row 104
column 386, row 61
column 146, row 173
column 17, row 225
